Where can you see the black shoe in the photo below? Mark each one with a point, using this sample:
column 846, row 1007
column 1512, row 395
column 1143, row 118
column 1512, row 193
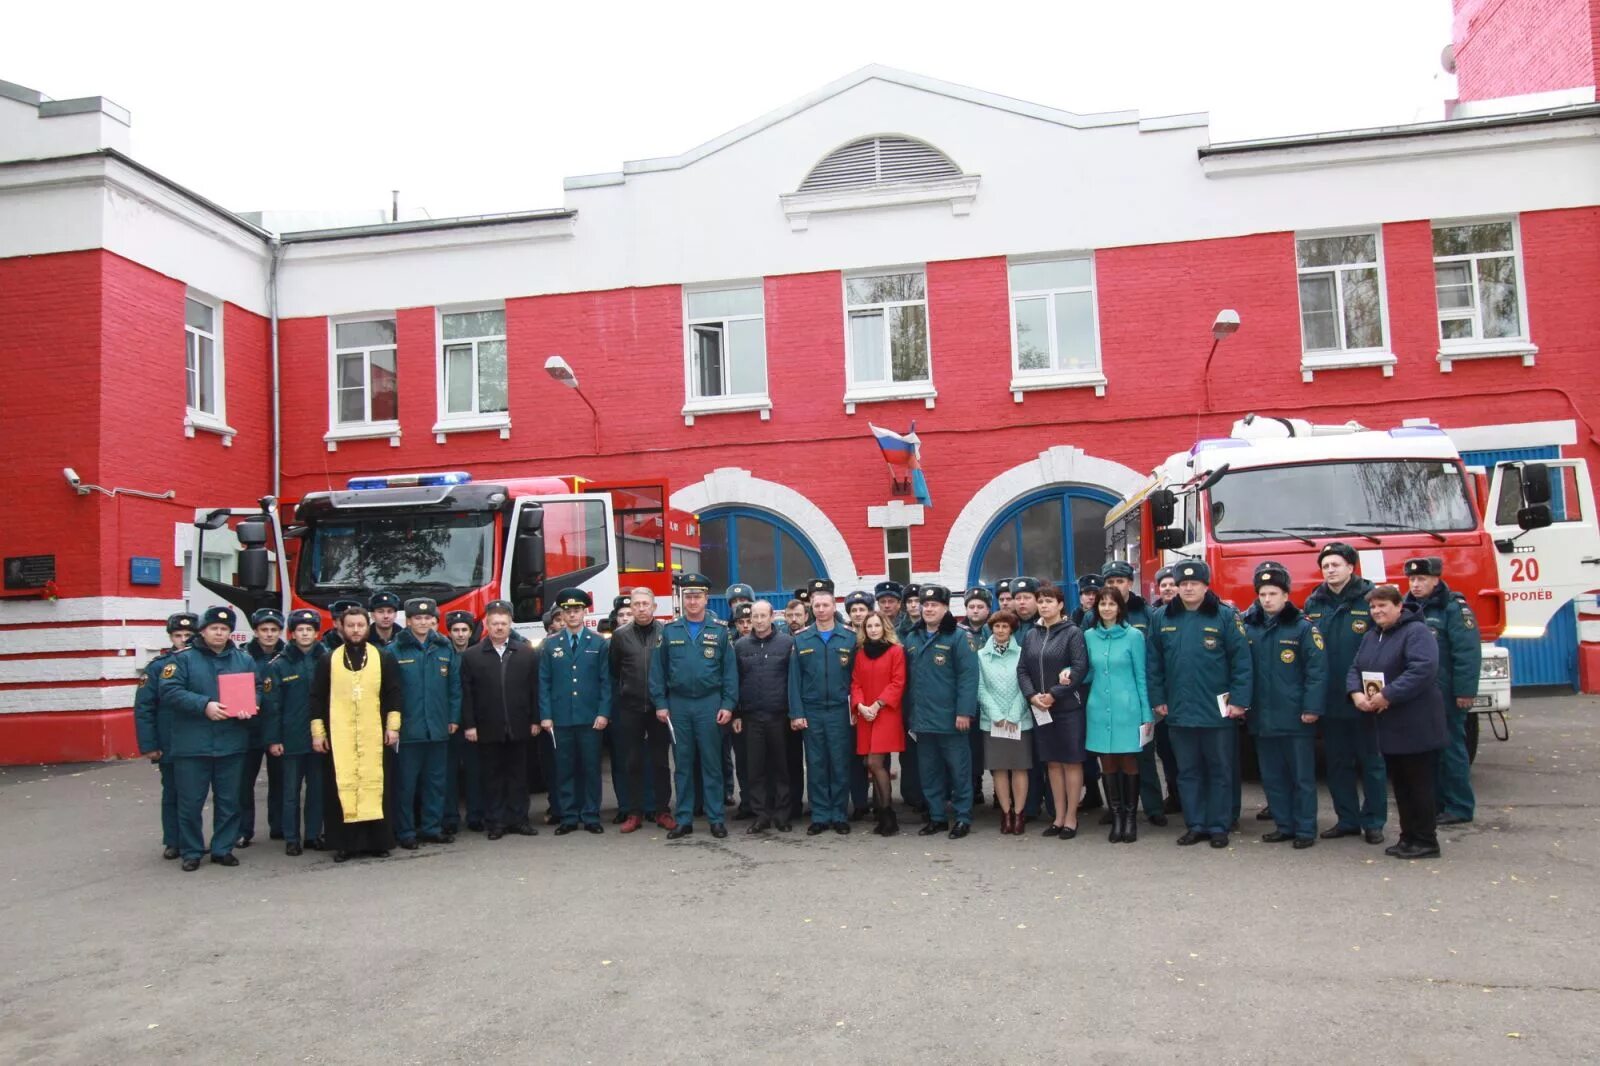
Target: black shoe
column 816, row 829
column 1193, row 836
column 293, row 849
column 318, row 844
column 225, row 860
column 743, row 814
column 526, row 829
column 438, row 838
column 564, row 828
column 1277, row 836
column 170, row 853
column 496, row 833
column 760, row 825
column 891, row 822
column 1219, row 840
column 1264, row 814
column 341, row 856
column 1157, row 819
column 1396, row 846
column 785, row 827
column 719, row 830
column 842, row 828
column 1339, row 831
column 960, row 830
column 275, row 834
column 1451, row 819
column 1051, row 830
column 1301, row 843
column 191, row 865
column 242, row 842
column 410, row 844
column 933, row 827
column 1417, row 851
column 1374, row 836
column 593, row 827
column 1067, row 832
column 384, row 854
column 476, row 827
column 679, row 833
column 619, row 818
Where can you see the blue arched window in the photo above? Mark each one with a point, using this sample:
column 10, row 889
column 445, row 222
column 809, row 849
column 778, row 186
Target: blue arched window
column 757, row 547
column 1054, row 534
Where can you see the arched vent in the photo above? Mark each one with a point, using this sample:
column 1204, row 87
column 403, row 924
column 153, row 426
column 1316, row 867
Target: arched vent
column 879, row 161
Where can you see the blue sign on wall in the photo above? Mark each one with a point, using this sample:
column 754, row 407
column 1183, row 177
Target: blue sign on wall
column 144, row 570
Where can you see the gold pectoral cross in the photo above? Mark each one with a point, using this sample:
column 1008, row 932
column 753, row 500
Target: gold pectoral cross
column 355, row 692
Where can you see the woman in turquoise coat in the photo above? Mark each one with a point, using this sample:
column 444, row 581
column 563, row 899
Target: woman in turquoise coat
column 1119, row 708
column 1003, row 716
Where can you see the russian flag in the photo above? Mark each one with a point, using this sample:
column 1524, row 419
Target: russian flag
column 903, row 453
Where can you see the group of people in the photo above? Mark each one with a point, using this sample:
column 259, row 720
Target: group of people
column 374, row 732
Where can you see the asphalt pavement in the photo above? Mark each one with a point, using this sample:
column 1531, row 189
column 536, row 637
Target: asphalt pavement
column 612, row 949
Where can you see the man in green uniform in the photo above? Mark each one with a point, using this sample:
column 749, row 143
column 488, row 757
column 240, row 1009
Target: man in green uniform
column 384, row 607
column 1200, row 679
column 152, row 722
column 209, row 738
column 430, row 714
column 942, row 701
column 462, row 777
column 978, row 603
column 819, row 704
column 1338, row 608
column 575, row 705
column 1460, row 659
column 694, row 684
column 889, row 596
column 286, row 705
column 263, row 648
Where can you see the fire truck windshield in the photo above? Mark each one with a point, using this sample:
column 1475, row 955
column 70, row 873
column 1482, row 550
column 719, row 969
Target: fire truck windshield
column 409, row 554
column 1357, row 498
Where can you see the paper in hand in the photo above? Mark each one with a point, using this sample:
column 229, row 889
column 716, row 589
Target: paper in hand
column 1222, row 703
column 1041, row 717
column 1147, row 733
column 1372, row 682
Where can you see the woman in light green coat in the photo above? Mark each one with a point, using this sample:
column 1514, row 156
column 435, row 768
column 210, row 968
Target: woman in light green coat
column 1119, row 708
column 1003, row 715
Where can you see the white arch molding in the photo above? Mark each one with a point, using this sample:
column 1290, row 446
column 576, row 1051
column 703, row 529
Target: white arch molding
column 729, row 486
column 1063, row 466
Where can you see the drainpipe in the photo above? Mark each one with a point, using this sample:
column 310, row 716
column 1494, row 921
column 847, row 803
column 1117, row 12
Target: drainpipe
column 277, row 399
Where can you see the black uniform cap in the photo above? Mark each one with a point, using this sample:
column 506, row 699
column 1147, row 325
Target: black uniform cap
column 218, row 616
column 422, row 606
column 1090, row 583
column 889, row 589
column 1272, row 572
column 498, row 605
column 183, row 620
column 572, row 597
column 978, row 592
column 304, row 617
column 742, row 610
column 1425, row 566
column 459, row 618
column 1192, row 570
column 1341, row 549
column 383, row 599
column 338, row 607
column 933, row 594
column 819, row 584
column 1117, row 568
column 1024, row 584
column 863, row 598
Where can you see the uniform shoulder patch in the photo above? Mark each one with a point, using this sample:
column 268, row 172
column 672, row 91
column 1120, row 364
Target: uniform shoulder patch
column 1467, row 618
column 1316, row 637
column 266, row 685
column 169, row 670
column 142, row 679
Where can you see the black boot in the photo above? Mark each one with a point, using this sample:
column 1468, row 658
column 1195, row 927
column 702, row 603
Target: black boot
column 1130, row 808
column 891, row 822
column 877, row 830
column 1113, row 785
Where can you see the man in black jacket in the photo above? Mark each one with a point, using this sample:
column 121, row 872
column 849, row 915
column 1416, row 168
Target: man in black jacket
column 499, row 712
column 641, row 738
column 762, row 717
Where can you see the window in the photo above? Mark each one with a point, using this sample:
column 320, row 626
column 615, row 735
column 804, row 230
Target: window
column 727, row 349
column 759, row 549
column 887, row 333
column 1341, row 293
column 202, row 335
column 1053, row 535
column 364, row 382
column 473, row 366
column 897, row 553
column 1370, row 496
column 1054, row 340
column 1477, row 279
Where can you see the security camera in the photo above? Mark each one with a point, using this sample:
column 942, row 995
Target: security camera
column 72, row 477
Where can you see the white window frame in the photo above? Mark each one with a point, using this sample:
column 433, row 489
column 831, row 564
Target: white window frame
column 475, row 422
column 367, row 428
column 1025, row 381
column 1480, row 347
column 694, row 405
column 890, row 557
column 880, row 391
column 193, row 417
column 1382, row 356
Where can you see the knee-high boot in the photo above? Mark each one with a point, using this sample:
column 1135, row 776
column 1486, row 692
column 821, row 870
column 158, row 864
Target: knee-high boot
column 1114, row 794
column 1130, row 808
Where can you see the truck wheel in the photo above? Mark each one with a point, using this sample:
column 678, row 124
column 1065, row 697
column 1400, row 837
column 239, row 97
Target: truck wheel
column 1472, row 738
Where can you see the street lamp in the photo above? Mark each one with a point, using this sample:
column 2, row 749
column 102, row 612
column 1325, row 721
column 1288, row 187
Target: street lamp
column 560, row 370
column 1226, row 325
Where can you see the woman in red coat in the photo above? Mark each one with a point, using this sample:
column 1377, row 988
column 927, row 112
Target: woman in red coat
column 877, row 682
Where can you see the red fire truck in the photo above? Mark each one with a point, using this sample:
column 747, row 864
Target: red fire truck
column 444, row 535
column 1519, row 541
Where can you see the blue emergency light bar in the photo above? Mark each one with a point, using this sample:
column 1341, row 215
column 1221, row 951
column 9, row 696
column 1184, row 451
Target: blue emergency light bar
column 409, row 481
column 1417, row 431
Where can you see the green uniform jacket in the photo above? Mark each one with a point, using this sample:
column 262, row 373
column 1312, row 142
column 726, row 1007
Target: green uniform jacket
column 1138, row 615
column 287, row 698
column 1195, row 656
column 188, row 683
column 977, row 638
column 689, row 674
column 819, row 672
column 941, row 678
column 430, row 686
column 574, row 685
column 151, row 724
column 262, row 658
column 1460, row 643
column 1343, row 619
column 1291, row 672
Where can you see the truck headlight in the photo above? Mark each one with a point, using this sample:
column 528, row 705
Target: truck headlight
column 1496, row 669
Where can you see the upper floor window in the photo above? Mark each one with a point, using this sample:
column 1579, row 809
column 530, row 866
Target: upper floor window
column 1341, row 293
column 473, row 362
column 364, row 373
column 1053, row 319
column 1477, row 278
column 887, row 335
column 727, row 344
column 202, row 334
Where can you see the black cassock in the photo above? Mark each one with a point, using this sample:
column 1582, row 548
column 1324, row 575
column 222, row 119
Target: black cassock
column 375, row 835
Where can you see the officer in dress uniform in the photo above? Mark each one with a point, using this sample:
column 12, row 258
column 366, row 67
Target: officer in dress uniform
column 384, row 607
column 942, row 698
column 263, row 648
column 462, row 779
column 819, row 704
column 979, row 603
column 208, row 740
column 1002, row 594
column 1083, row 613
column 1199, row 653
column 1166, row 592
column 331, row 637
column 888, row 595
column 153, row 724
column 1290, row 691
column 430, row 714
column 1338, row 608
column 1460, row 658
column 694, row 684
column 575, row 701
column 1118, row 574
column 286, row 705
column 857, row 606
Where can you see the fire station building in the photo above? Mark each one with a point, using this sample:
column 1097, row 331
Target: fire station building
column 1034, row 289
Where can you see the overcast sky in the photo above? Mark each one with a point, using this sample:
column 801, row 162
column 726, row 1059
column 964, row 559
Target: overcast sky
column 473, row 107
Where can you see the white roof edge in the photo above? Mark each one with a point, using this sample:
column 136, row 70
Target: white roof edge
column 897, row 77
column 80, row 105
column 1174, row 122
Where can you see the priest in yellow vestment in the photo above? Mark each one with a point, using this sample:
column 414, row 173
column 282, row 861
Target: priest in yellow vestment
column 355, row 713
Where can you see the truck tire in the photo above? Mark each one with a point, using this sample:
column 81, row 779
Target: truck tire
column 1472, row 738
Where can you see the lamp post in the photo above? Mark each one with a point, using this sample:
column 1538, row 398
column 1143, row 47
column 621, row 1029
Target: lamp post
column 561, row 371
column 1226, row 325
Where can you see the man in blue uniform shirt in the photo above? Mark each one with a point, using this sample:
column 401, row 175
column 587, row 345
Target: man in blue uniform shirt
column 153, row 724
column 819, row 704
column 1460, row 659
column 575, row 700
column 286, row 706
column 942, row 702
column 430, row 714
column 263, row 648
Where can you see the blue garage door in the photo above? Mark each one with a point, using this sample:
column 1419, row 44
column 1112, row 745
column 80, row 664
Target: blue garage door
column 1553, row 658
column 1054, row 534
column 759, row 549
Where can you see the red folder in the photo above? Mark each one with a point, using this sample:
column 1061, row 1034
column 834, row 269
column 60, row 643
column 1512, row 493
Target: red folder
column 237, row 693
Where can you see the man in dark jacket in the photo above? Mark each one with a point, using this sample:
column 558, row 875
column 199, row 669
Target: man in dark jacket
column 462, row 778
column 153, row 723
column 1450, row 618
column 762, row 717
column 643, row 741
column 286, row 705
column 942, row 704
column 263, row 648
column 499, row 712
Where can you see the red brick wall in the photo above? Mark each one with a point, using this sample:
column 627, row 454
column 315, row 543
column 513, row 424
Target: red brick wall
column 1513, row 47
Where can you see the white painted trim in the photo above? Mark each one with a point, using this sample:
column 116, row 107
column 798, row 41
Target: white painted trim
column 54, row 671
column 730, row 486
column 1075, row 379
column 125, row 638
column 373, row 246
column 959, row 192
column 872, row 392
column 1528, row 353
column 55, row 698
column 1312, row 363
column 84, row 609
column 1494, row 438
column 895, row 514
column 1061, row 465
column 722, row 405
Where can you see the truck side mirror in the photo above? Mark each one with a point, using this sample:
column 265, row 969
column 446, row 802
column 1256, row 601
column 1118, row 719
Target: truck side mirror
column 1163, row 504
column 1169, row 539
column 253, row 568
column 1536, row 516
column 531, row 521
column 1535, row 478
column 527, row 564
column 252, row 532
